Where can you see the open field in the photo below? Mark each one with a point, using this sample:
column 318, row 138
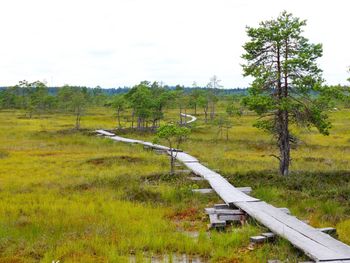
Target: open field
column 74, row 197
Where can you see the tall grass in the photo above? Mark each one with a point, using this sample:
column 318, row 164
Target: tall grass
column 71, row 196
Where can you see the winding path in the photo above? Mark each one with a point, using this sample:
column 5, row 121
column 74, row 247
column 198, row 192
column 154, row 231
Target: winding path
column 317, row 245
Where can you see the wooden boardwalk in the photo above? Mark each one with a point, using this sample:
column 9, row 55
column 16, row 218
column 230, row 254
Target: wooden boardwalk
column 317, row 245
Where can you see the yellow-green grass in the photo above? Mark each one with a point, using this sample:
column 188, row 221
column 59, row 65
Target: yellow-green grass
column 75, row 197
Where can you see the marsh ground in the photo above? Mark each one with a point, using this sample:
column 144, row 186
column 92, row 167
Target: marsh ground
column 74, row 197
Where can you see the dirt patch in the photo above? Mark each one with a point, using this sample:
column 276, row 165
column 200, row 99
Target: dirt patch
column 190, row 213
column 110, row 160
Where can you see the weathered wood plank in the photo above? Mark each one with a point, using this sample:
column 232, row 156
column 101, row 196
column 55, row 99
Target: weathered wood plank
column 106, row 133
column 193, row 118
column 221, row 206
column 312, row 248
column 184, row 157
column 196, row 178
column 258, row 239
column 307, row 230
column 203, row 191
column 284, row 210
column 229, row 218
column 215, row 221
column 269, row 235
column 246, row 190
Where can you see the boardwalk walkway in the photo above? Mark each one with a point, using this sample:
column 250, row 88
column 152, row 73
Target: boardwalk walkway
column 317, row 245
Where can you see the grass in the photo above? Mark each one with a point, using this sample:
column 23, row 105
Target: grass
column 71, row 196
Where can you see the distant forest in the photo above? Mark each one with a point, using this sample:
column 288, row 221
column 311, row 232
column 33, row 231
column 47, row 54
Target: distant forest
column 123, row 90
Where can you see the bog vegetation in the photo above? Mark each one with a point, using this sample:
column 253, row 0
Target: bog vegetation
column 68, row 195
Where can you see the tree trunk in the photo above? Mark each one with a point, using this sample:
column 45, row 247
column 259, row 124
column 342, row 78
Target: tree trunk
column 132, row 120
column 284, row 143
column 282, row 122
column 206, row 115
column 138, row 123
column 284, row 135
column 118, row 115
column 180, row 114
column 77, row 121
column 212, row 110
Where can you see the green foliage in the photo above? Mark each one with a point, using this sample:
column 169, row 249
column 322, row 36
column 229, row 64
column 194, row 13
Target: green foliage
column 74, row 100
column 148, row 102
column 287, row 86
column 298, row 69
column 33, row 97
column 173, row 134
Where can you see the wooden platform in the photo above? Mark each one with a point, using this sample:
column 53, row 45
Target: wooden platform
column 317, row 245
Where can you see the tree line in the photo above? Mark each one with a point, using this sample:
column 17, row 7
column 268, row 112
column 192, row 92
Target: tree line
column 144, row 103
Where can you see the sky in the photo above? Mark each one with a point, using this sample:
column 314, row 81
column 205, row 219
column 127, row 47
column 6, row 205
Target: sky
column 114, row 43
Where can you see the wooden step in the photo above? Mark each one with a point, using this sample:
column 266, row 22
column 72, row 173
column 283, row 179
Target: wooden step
column 230, row 218
column 196, row 178
column 269, row 235
column 264, row 237
column 258, row 239
column 215, row 222
column 203, row 191
column 221, row 206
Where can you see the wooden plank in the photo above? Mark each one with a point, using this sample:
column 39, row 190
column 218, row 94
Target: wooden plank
column 284, row 210
column 227, row 192
column 311, row 248
column 215, row 221
column 246, row 190
column 122, row 139
column 155, row 146
column 203, row 191
column 196, row 178
column 184, row 157
column 229, row 218
column 193, row 118
column 221, row 206
column 269, row 235
column 258, row 239
column 106, row 133
column 307, row 230
column 201, row 170
column 229, row 212
column 209, row 210
column 222, row 187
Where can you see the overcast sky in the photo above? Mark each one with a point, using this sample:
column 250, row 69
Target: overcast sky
column 115, row 43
